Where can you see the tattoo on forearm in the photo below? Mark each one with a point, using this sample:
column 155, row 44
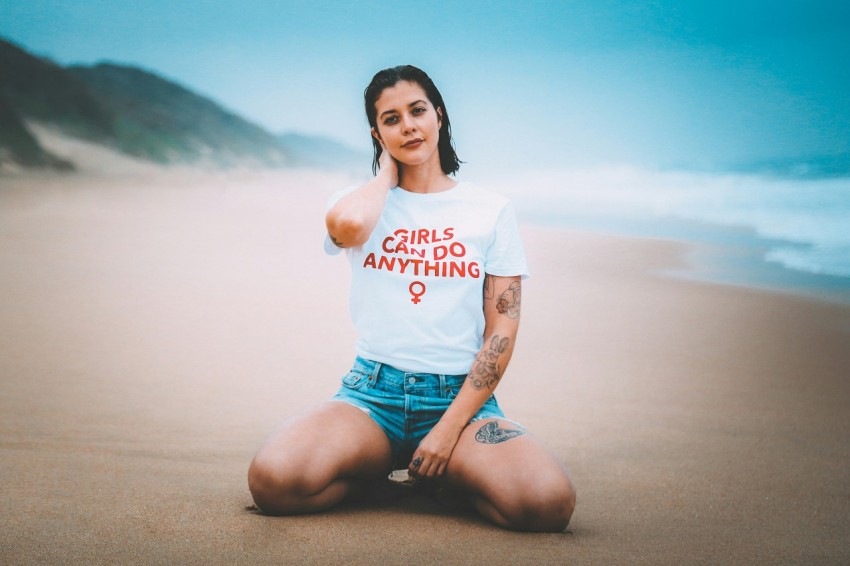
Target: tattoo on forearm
column 508, row 303
column 491, row 433
column 485, row 371
column 489, row 287
column 336, row 242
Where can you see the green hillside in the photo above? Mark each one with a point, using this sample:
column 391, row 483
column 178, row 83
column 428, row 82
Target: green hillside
column 141, row 114
column 41, row 90
column 162, row 121
column 34, row 88
column 130, row 110
column 18, row 145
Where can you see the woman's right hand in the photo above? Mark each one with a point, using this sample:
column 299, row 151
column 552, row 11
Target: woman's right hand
column 388, row 166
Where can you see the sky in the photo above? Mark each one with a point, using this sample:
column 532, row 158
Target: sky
column 528, row 85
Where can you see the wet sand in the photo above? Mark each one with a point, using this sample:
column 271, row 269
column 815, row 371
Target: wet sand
column 156, row 326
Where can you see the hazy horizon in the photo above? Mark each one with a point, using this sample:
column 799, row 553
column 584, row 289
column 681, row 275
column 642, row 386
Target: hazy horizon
column 660, row 85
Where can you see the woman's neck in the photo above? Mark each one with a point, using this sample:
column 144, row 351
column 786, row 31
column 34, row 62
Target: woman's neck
column 424, row 178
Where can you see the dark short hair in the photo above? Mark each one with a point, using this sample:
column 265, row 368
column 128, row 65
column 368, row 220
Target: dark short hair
column 386, row 78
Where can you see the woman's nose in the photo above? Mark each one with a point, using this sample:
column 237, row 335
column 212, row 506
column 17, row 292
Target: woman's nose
column 407, row 123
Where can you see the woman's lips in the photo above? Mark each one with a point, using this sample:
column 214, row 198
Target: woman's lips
column 412, row 144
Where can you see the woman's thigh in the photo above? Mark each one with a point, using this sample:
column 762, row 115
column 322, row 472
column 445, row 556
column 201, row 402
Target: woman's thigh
column 514, row 480
column 331, row 441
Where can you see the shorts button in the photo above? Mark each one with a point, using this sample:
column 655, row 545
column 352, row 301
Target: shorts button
column 412, row 380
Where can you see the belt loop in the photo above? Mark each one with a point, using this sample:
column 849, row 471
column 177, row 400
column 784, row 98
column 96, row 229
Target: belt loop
column 444, row 389
column 375, row 372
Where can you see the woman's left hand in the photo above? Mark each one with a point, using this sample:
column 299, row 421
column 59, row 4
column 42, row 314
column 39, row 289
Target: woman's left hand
column 432, row 455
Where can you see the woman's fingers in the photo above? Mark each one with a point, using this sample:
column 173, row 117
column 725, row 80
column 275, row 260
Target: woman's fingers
column 386, row 161
column 417, row 467
column 423, row 467
column 431, row 457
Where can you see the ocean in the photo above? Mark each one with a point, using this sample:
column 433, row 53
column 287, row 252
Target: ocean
column 784, row 234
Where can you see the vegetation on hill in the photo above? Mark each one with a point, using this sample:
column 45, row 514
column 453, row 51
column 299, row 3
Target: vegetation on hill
column 19, row 146
column 162, row 121
column 139, row 113
column 39, row 89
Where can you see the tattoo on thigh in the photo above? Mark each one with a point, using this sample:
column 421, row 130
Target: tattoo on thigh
column 508, row 303
column 491, row 433
column 336, row 242
column 485, row 371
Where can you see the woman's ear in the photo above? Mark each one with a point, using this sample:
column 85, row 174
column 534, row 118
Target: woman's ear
column 376, row 135
column 439, row 117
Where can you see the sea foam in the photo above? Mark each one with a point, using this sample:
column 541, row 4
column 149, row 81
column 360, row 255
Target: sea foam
column 801, row 224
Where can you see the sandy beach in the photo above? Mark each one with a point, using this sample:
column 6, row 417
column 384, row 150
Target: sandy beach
column 157, row 325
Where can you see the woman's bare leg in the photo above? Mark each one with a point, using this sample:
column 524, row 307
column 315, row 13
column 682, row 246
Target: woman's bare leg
column 314, row 460
column 512, row 480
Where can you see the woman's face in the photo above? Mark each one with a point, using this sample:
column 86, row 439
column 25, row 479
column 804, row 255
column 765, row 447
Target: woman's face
column 407, row 124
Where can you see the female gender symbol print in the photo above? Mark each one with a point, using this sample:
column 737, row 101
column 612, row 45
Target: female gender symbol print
column 417, row 289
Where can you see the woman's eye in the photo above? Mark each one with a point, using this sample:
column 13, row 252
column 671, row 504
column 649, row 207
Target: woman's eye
column 418, row 110
column 391, row 120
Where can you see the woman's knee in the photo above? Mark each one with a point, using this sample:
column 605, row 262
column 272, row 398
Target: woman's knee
column 543, row 506
column 278, row 487
column 265, row 484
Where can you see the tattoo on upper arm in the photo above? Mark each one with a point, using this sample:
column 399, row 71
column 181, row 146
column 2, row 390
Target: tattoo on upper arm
column 336, row 242
column 489, row 287
column 485, row 371
column 491, row 433
column 509, row 301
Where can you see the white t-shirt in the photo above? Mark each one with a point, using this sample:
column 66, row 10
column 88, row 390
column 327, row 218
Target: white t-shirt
column 417, row 283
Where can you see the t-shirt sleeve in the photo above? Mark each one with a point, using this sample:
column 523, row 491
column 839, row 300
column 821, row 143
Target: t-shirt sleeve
column 506, row 255
column 330, row 247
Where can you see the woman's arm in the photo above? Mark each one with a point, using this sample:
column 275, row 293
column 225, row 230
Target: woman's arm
column 351, row 220
column 502, row 298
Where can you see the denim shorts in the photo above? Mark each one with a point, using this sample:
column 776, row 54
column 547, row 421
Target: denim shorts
column 406, row 405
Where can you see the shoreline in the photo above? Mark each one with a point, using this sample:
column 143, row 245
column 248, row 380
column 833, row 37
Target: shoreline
column 753, row 230
column 723, row 255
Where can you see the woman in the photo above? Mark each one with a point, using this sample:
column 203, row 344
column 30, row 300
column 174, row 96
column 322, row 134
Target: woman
column 436, row 284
